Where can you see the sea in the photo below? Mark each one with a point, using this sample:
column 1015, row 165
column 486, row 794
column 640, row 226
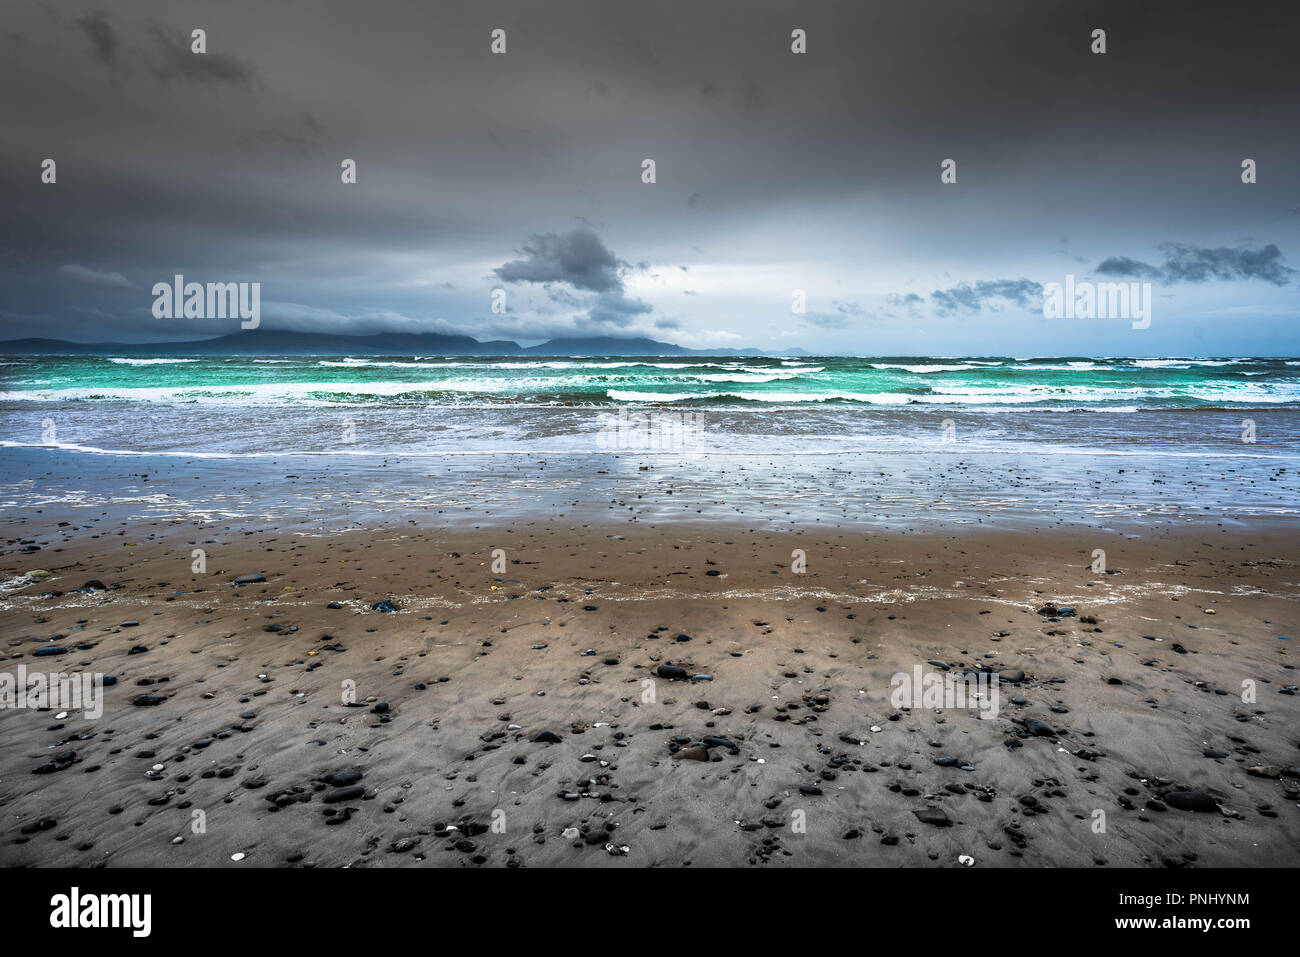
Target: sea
column 337, row 441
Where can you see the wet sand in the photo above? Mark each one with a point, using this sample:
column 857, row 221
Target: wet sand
column 780, row 747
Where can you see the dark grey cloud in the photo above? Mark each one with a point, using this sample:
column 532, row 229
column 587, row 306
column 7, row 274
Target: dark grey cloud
column 1194, row 264
column 614, row 309
column 577, row 258
column 579, row 271
column 104, row 43
column 300, row 134
column 994, row 293
column 174, row 60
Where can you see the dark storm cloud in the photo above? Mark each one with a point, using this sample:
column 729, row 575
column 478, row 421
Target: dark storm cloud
column 575, row 263
column 972, row 297
column 1185, row 263
column 103, row 40
column 167, row 51
column 577, row 257
column 174, row 60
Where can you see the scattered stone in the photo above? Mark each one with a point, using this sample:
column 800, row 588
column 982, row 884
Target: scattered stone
column 1040, row 728
column 1191, row 801
column 344, row 794
column 933, row 815
column 340, row 779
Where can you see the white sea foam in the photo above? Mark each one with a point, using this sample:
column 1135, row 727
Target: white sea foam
column 1183, row 363
column 922, row 369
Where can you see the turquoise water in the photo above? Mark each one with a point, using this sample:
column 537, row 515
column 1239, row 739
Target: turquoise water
column 347, row 442
column 1121, row 384
column 746, row 406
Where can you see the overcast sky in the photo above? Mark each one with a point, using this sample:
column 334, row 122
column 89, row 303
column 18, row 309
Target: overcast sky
column 775, row 171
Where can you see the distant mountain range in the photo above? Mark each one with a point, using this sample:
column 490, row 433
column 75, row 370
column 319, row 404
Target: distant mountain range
column 273, row 343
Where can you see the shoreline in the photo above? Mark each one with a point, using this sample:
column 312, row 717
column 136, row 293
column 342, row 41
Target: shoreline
column 869, row 493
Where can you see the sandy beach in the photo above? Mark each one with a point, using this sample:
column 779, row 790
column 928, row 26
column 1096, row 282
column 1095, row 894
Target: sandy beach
column 618, row 694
